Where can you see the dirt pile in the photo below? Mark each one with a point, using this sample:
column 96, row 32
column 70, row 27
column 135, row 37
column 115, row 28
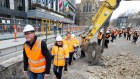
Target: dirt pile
column 121, row 66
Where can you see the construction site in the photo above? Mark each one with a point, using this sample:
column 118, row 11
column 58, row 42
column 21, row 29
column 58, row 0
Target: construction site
column 95, row 45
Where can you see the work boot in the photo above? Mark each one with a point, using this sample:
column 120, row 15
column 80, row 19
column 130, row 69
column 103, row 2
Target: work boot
column 65, row 72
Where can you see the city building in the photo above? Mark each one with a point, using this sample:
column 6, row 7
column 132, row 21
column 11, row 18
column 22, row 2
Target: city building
column 86, row 11
column 21, row 12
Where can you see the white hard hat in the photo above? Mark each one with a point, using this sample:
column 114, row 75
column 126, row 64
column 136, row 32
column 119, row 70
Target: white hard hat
column 107, row 32
column 28, row 28
column 101, row 30
column 72, row 35
column 59, row 38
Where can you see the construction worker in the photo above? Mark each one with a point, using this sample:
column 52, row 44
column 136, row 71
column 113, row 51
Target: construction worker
column 70, row 43
column 115, row 34
column 107, row 39
column 124, row 33
column 129, row 35
column 60, row 28
column 76, row 41
column 36, row 55
column 135, row 37
column 100, row 36
column 120, row 33
column 112, row 35
column 55, row 28
column 76, row 44
column 60, row 54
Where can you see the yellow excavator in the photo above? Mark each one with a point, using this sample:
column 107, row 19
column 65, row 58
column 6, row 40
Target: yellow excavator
column 92, row 50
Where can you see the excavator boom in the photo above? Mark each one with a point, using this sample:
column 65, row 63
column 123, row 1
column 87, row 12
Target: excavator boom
column 102, row 16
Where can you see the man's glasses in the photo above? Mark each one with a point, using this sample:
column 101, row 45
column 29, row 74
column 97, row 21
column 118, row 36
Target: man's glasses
column 27, row 33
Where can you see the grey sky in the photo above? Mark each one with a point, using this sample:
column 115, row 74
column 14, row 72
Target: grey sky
column 125, row 6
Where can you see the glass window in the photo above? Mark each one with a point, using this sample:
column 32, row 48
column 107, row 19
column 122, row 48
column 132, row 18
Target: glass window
column 46, row 2
column 29, row 5
column 56, row 1
column 90, row 7
column 4, row 3
column 19, row 5
column 52, row 4
column 87, row 7
column 84, row 8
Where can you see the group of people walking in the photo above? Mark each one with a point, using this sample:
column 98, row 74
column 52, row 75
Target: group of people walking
column 38, row 59
column 111, row 35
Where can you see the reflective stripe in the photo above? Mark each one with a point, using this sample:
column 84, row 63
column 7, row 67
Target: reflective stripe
column 36, row 62
column 58, row 58
column 67, row 57
column 37, row 68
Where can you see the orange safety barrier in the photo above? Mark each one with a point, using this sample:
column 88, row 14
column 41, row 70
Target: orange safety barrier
column 15, row 33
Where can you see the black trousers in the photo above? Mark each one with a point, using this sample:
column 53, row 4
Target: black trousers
column 112, row 38
column 70, row 58
column 106, row 43
column 58, row 71
column 70, row 61
column 99, row 41
column 124, row 35
column 65, row 67
column 128, row 37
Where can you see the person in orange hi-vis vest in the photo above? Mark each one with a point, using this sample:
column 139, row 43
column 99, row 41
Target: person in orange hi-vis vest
column 60, row 55
column 107, row 39
column 36, row 56
column 100, row 36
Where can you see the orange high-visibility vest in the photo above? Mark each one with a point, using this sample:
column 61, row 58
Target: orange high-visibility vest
column 115, row 33
column 107, row 36
column 36, row 60
column 100, row 36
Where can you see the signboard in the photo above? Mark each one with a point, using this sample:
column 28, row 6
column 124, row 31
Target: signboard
column 3, row 21
column 8, row 21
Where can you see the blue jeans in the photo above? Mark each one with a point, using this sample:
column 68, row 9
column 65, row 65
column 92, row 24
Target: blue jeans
column 55, row 29
column 36, row 75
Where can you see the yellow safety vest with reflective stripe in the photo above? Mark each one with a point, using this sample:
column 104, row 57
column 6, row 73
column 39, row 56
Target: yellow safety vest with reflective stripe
column 36, row 60
column 60, row 26
column 69, row 43
column 60, row 53
column 76, row 42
